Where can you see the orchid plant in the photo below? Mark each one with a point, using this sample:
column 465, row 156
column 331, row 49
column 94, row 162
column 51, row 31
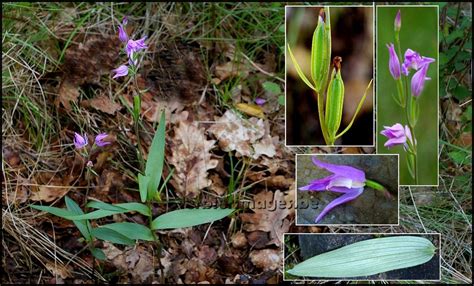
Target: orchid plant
column 346, row 180
column 399, row 134
column 150, row 186
column 330, row 117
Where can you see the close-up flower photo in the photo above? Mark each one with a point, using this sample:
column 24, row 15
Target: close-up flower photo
column 347, row 189
column 407, row 90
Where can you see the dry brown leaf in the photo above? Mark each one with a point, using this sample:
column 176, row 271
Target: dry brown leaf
column 266, row 259
column 85, row 63
column 102, row 103
column 239, row 240
column 134, row 260
column 270, row 211
column 58, row 269
column 278, row 182
column 191, row 157
column 217, row 185
column 351, row 150
column 250, row 109
column 68, row 92
column 231, row 69
column 55, row 189
column 247, row 137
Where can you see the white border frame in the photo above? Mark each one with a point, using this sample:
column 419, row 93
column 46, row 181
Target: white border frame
column 437, row 86
column 439, row 248
column 374, row 127
column 348, row 224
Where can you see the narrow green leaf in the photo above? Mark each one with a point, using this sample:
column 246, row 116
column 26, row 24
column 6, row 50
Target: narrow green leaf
column 95, row 214
column 189, row 217
column 112, row 236
column 54, row 210
column 298, row 69
column 84, row 226
column 123, row 207
column 143, row 182
column 98, row 253
column 138, row 207
column 356, row 112
column 131, row 230
column 368, row 257
column 156, row 157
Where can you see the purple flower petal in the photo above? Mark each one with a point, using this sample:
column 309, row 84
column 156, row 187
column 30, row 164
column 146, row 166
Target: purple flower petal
column 80, row 141
column 398, row 21
column 125, row 20
column 318, row 185
column 260, row 101
column 120, row 71
column 99, row 140
column 341, row 170
column 135, row 46
column 395, row 134
column 122, row 34
column 393, row 63
column 349, row 196
column 340, row 190
column 418, row 81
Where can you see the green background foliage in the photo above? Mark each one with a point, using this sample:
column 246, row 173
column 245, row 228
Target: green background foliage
column 419, row 32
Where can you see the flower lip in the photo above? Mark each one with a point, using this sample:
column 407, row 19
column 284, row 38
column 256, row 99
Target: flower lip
column 80, row 141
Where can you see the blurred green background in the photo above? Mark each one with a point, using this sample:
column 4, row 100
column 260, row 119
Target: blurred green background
column 419, row 32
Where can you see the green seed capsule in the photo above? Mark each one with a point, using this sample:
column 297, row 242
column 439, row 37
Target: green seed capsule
column 334, row 101
column 368, row 257
column 321, row 51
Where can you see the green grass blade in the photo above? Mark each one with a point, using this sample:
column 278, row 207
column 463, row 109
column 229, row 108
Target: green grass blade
column 131, row 230
column 156, row 157
column 368, row 257
column 299, row 71
column 189, row 217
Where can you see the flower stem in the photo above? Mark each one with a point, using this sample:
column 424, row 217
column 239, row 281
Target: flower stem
column 411, row 125
column 321, row 118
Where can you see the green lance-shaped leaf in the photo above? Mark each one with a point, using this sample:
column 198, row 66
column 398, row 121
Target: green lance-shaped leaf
column 154, row 163
column 368, row 257
column 131, row 230
column 334, row 101
column 189, row 217
column 321, row 51
column 84, row 226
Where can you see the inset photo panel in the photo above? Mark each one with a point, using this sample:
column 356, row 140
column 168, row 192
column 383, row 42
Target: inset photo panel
column 407, row 90
column 362, row 256
column 335, row 189
column 329, row 74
